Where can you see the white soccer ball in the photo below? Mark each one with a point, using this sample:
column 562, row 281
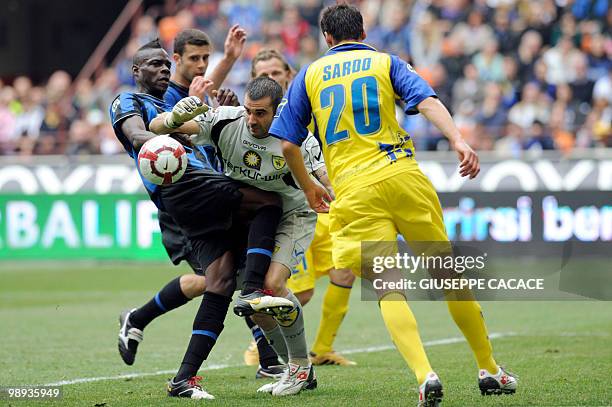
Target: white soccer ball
column 162, row 160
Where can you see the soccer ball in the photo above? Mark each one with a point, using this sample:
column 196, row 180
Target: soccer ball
column 162, row 160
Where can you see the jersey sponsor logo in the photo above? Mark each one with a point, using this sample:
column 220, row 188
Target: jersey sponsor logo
column 252, row 174
column 252, row 160
column 410, row 68
column 278, row 162
column 254, row 146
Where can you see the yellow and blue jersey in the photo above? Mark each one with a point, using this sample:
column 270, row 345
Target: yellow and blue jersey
column 351, row 92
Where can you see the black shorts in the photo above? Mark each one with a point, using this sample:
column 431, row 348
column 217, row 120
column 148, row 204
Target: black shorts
column 207, row 250
column 177, row 245
column 204, row 205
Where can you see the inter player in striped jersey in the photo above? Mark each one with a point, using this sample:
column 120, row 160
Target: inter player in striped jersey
column 191, row 52
column 249, row 155
column 191, row 201
column 380, row 190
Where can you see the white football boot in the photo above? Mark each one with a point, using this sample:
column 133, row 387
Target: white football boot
column 430, row 391
column 189, row 388
column 503, row 382
column 262, row 301
column 295, row 379
column 129, row 338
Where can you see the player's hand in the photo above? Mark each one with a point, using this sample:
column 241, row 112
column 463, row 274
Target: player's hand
column 185, row 110
column 331, row 193
column 226, row 97
column 318, row 198
column 470, row 165
column 234, row 42
column 200, row 87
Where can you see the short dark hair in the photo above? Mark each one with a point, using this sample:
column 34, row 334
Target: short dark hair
column 342, row 22
column 266, row 55
column 190, row 36
column 141, row 53
column 262, row 87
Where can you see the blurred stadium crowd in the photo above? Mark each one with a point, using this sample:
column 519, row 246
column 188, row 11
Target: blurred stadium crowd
column 516, row 74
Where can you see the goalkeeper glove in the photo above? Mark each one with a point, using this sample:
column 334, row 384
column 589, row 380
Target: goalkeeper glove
column 185, row 110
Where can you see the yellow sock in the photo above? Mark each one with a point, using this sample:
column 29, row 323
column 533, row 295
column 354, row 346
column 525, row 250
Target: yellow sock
column 403, row 329
column 468, row 317
column 335, row 305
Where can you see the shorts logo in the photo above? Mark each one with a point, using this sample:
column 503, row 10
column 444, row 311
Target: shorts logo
column 278, row 162
column 252, row 160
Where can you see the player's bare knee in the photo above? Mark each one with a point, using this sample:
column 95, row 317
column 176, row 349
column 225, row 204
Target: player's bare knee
column 193, row 285
column 200, row 284
column 276, row 282
column 222, row 285
column 305, row 296
column 276, row 287
column 342, row 277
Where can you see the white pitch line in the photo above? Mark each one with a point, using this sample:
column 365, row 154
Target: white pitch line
column 370, row 349
column 435, row 342
column 126, row 376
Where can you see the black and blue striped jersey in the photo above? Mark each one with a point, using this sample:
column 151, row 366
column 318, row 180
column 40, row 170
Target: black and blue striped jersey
column 172, row 96
column 129, row 104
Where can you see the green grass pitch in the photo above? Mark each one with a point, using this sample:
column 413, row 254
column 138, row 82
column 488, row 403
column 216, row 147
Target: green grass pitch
column 59, row 323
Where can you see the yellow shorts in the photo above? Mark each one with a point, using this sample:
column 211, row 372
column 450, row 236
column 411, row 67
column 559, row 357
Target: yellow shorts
column 318, row 259
column 405, row 203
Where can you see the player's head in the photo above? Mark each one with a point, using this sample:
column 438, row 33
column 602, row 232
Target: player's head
column 151, row 68
column 342, row 22
column 192, row 49
column 271, row 63
column 262, row 97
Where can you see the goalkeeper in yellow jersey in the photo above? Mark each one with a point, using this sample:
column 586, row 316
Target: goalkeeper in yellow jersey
column 380, row 191
column 318, row 258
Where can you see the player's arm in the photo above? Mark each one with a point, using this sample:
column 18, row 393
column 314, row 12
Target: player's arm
column 180, row 119
column 313, row 158
column 234, row 44
column 292, row 117
column 159, row 126
column 135, row 130
column 317, row 196
column 321, row 175
column 127, row 117
column 436, row 113
column 418, row 97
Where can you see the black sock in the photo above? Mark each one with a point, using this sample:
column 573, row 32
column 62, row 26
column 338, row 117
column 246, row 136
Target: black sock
column 260, row 247
column 169, row 298
column 207, row 327
column 267, row 355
